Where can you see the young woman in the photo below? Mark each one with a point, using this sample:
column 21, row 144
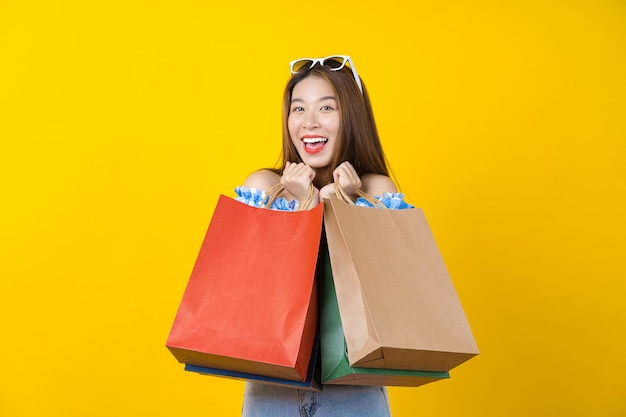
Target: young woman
column 329, row 135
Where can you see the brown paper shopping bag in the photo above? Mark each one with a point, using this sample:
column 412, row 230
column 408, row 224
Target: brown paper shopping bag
column 398, row 306
column 335, row 366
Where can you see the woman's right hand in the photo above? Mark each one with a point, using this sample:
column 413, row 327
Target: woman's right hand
column 297, row 179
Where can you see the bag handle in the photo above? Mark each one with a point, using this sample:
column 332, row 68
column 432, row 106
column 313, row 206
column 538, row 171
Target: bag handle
column 275, row 191
column 272, row 194
column 309, row 199
column 341, row 194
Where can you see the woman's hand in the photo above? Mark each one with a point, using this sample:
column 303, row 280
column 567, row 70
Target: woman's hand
column 297, row 179
column 347, row 177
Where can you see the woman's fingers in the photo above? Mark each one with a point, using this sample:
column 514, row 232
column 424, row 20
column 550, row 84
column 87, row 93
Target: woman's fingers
column 297, row 178
column 347, row 177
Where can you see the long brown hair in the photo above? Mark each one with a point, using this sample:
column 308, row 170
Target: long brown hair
column 359, row 143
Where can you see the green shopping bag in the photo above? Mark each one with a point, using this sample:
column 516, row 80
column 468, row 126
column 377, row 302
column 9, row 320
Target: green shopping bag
column 335, row 366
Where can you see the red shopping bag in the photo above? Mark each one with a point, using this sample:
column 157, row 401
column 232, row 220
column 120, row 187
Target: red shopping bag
column 250, row 305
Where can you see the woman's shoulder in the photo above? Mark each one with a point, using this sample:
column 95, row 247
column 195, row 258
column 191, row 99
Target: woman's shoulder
column 377, row 184
column 263, row 179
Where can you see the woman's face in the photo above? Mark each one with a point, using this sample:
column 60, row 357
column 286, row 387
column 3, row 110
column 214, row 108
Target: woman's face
column 314, row 121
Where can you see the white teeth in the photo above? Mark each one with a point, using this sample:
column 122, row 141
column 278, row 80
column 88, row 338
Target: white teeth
column 314, row 140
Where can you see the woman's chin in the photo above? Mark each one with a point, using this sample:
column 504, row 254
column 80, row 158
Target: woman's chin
column 316, row 162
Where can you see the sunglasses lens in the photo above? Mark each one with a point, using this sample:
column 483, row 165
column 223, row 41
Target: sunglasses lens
column 300, row 64
column 334, row 62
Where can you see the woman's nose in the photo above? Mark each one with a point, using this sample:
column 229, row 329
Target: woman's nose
column 311, row 121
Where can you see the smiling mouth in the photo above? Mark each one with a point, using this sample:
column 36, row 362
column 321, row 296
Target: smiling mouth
column 314, row 144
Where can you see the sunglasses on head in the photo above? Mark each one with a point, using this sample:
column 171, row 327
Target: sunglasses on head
column 334, row 62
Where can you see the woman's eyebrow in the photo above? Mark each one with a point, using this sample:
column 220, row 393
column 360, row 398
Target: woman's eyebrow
column 321, row 99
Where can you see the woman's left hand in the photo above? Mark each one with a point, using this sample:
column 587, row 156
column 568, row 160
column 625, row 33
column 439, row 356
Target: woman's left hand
column 347, row 177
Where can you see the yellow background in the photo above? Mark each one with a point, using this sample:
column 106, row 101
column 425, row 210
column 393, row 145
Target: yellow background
column 122, row 121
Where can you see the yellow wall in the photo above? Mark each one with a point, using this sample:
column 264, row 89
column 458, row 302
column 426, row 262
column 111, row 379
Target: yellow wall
column 121, row 122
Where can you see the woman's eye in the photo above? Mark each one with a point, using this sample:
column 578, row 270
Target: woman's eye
column 297, row 109
column 326, row 108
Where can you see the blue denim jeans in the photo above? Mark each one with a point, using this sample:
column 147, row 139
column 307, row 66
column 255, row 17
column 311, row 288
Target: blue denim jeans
column 262, row 400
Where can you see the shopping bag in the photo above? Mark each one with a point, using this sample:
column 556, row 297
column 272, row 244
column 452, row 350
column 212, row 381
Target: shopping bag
column 250, row 304
column 311, row 383
column 398, row 305
column 336, row 368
